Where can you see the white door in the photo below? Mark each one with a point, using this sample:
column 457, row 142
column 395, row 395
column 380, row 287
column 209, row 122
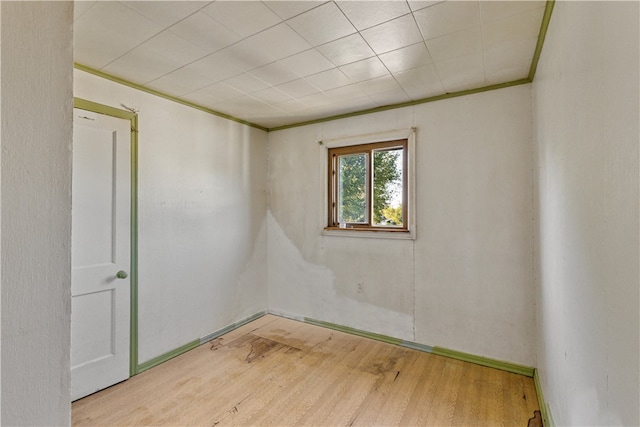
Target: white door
column 100, row 287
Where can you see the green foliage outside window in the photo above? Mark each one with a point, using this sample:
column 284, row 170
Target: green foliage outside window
column 387, row 188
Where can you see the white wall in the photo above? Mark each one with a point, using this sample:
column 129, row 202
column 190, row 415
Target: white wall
column 202, row 208
column 586, row 127
column 466, row 282
column 36, row 92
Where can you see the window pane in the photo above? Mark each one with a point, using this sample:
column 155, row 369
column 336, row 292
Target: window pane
column 387, row 187
column 352, row 188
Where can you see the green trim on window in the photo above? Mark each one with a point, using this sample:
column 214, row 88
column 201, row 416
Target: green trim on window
column 164, row 95
column 485, row 361
column 168, row 356
column 87, row 105
column 544, row 26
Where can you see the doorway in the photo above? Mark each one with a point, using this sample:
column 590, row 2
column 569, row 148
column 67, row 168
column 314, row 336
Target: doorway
column 104, row 248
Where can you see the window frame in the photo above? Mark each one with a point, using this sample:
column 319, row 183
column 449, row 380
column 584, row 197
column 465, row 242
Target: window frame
column 384, row 139
column 368, row 149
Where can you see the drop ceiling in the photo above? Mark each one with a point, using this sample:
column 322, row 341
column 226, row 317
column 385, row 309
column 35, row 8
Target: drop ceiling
column 277, row 63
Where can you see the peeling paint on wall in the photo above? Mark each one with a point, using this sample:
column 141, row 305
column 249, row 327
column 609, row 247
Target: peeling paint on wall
column 298, row 286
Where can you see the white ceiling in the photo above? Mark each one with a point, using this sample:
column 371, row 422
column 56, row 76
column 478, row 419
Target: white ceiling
column 275, row 63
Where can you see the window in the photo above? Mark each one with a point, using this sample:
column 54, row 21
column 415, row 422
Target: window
column 367, row 187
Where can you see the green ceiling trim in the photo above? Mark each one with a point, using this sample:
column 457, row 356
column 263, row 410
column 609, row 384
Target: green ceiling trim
column 405, row 104
column 164, row 95
column 546, row 18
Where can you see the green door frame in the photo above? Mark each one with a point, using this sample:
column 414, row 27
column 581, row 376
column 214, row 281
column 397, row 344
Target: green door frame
column 84, row 104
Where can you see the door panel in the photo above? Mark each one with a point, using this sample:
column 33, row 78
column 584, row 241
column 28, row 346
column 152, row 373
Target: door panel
column 100, row 307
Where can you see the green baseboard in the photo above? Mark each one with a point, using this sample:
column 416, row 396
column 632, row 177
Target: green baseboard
column 231, row 327
column 547, row 419
column 485, row 361
column 168, row 356
column 354, row 331
column 195, row 343
column 440, row 351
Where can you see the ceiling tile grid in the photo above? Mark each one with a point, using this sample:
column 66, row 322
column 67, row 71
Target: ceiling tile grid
column 281, row 62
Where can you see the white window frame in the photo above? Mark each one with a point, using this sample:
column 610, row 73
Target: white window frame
column 410, row 174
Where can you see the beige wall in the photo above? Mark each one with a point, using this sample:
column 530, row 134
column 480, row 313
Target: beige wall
column 586, row 118
column 36, row 92
column 466, row 282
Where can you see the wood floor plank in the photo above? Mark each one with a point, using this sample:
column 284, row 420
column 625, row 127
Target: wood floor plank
column 276, row 371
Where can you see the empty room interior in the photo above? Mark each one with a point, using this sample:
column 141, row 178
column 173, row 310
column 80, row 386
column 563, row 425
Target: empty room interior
column 228, row 195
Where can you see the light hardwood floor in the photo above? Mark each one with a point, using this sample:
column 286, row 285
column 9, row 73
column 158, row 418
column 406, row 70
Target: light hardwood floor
column 280, row 372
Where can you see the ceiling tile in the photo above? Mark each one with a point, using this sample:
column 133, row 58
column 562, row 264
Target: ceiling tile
column 161, row 54
column 298, row 88
column 393, row 35
column 490, row 10
column 509, row 61
column 452, row 45
column 250, row 107
column 378, row 85
column 364, row 70
column 307, row 63
column 316, row 100
column 420, row 83
column 417, row 5
column 344, row 93
column 322, row 24
column 216, row 67
column 290, row 8
column 180, row 82
column 462, row 73
column 206, row 32
column 246, row 83
column 406, row 58
column 350, row 105
column 390, row 98
column 107, row 31
column 329, row 79
column 271, row 95
column 365, row 14
column 243, row 55
column 164, row 13
column 521, row 26
column 205, row 100
column 346, row 50
column 242, row 17
column 447, row 17
column 291, row 106
column 274, row 74
column 221, row 91
column 278, row 42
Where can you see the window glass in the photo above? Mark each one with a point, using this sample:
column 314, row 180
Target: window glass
column 387, row 187
column 352, row 189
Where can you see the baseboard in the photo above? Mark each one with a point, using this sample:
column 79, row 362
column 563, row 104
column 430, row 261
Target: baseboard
column 440, row 351
column 226, row 329
column 195, row 343
column 545, row 412
column 167, row 356
column 514, row 368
